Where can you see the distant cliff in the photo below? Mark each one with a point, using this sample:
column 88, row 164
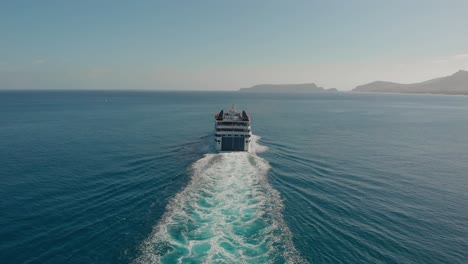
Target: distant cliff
column 456, row 83
column 287, row 88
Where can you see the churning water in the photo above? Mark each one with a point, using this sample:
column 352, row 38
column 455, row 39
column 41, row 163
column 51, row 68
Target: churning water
column 228, row 213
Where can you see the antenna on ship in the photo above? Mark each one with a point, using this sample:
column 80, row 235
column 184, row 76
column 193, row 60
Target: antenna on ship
column 233, row 109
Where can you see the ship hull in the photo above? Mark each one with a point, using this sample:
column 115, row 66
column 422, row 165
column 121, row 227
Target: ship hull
column 232, row 143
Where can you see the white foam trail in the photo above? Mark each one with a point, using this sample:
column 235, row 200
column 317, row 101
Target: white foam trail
column 255, row 147
column 228, row 213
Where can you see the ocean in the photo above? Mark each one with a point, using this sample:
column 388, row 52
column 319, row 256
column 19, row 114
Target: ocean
column 132, row 177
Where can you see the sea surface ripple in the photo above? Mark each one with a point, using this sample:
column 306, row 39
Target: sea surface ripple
column 131, row 177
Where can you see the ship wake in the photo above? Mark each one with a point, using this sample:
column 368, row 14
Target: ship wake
column 228, row 213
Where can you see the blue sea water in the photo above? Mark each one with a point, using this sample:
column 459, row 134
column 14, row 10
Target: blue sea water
column 131, row 177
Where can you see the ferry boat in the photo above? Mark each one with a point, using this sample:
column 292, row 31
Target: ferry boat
column 232, row 130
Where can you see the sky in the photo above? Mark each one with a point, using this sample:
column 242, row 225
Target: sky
column 227, row 45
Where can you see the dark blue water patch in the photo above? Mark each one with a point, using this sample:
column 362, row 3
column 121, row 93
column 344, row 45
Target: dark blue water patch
column 342, row 175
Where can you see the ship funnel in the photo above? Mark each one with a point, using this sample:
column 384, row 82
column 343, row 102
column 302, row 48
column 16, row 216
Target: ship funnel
column 220, row 115
column 245, row 117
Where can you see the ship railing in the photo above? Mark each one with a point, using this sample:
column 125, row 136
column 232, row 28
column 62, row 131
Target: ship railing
column 243, row 123
column 233, row 129
column 243, row 133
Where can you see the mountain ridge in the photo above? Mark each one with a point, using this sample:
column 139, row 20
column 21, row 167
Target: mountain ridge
column 454, row 84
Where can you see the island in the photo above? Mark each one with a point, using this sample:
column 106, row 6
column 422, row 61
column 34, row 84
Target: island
column 455, row 84
column 287, row 88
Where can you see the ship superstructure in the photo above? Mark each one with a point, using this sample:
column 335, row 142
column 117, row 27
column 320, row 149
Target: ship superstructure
column 232, row 130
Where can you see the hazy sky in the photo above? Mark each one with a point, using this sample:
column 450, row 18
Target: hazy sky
column 217, row 44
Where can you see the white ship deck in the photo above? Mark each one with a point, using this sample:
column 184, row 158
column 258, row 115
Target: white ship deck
column 232, row 130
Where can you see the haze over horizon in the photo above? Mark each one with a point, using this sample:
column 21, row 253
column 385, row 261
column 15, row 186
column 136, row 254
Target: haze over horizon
column 221, row 45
